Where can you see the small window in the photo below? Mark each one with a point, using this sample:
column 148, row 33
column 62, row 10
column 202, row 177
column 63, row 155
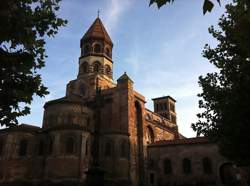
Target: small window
column 165, row 106
column 207, row 166
column 69, row 145
column 156, row 107
column 173, row 118
column 86, row 49
column 97, row 67
column 85, row 67
column 23, row 147
column 107, row 70
column 107, row 52
column 97, row 48
column 41, row 148
column 186, row 163
column 172, row 107
column 82, row 89
column 1, row 147
column 167, row 166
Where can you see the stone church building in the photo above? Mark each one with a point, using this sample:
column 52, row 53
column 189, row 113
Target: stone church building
column 102, row 125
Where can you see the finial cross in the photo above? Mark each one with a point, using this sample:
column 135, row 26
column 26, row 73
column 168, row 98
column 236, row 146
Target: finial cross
column 98, row 12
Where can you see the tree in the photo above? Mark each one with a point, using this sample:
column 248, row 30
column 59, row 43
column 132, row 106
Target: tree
column 207, row 5
column 225, row 97
column 24, row 24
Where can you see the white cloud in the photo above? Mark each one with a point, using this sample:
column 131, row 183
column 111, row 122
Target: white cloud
column 116, row 8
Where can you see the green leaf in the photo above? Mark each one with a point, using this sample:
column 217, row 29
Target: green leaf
column 207, row 6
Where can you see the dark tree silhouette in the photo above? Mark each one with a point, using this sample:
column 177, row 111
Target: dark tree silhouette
column 23, row 27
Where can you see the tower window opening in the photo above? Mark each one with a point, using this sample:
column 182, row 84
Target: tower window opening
column 107, row 52
column 107, row 70
column 85, row 67
column 87, row 49
column 97, row 48
column 172, row 107
column 97, row 66
column 23, row 147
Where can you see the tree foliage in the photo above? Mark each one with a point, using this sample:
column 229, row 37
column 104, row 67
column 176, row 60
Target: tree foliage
column 225, row 97
column 207, row 5
column 24, row 24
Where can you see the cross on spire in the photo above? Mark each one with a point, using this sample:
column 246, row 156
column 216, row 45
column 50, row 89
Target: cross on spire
column 98, row 13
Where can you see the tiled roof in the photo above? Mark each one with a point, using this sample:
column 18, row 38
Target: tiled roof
column 97, row 30
column 183, row 141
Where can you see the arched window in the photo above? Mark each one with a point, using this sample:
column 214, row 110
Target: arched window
column 150, row 134
column 207, row 165
column 97, row 66
column 87, row 147
column 167, row 166
column 124, row 149
column 107, row 52
column 108, row 149
column 69, row 145
column 82, row 89
column 86, row 49
column 1, row 147
column 23, row 147
column 97, row 48
column 41, row 148
column 50, row 146
column 186, row 165
column 85, row 67
column 107, row 70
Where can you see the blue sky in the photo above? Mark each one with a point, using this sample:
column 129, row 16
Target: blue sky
column 159, row 49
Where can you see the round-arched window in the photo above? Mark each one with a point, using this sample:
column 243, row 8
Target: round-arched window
column 97, row 66
column 86, row 49
column 107, row 70
column 97, row 48
column 84, row 67
column 82, row 89
column 150, row 134
column 107, row 52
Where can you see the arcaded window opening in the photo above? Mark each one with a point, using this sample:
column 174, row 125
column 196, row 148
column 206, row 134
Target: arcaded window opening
column 97, row 66
column 97, row 48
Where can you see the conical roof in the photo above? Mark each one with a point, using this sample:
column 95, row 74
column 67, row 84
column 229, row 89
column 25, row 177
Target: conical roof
column 97, row 30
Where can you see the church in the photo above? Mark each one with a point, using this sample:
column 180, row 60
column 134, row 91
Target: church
column 101, row 133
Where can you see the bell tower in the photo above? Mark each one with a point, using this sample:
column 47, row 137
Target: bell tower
column 96, row 56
